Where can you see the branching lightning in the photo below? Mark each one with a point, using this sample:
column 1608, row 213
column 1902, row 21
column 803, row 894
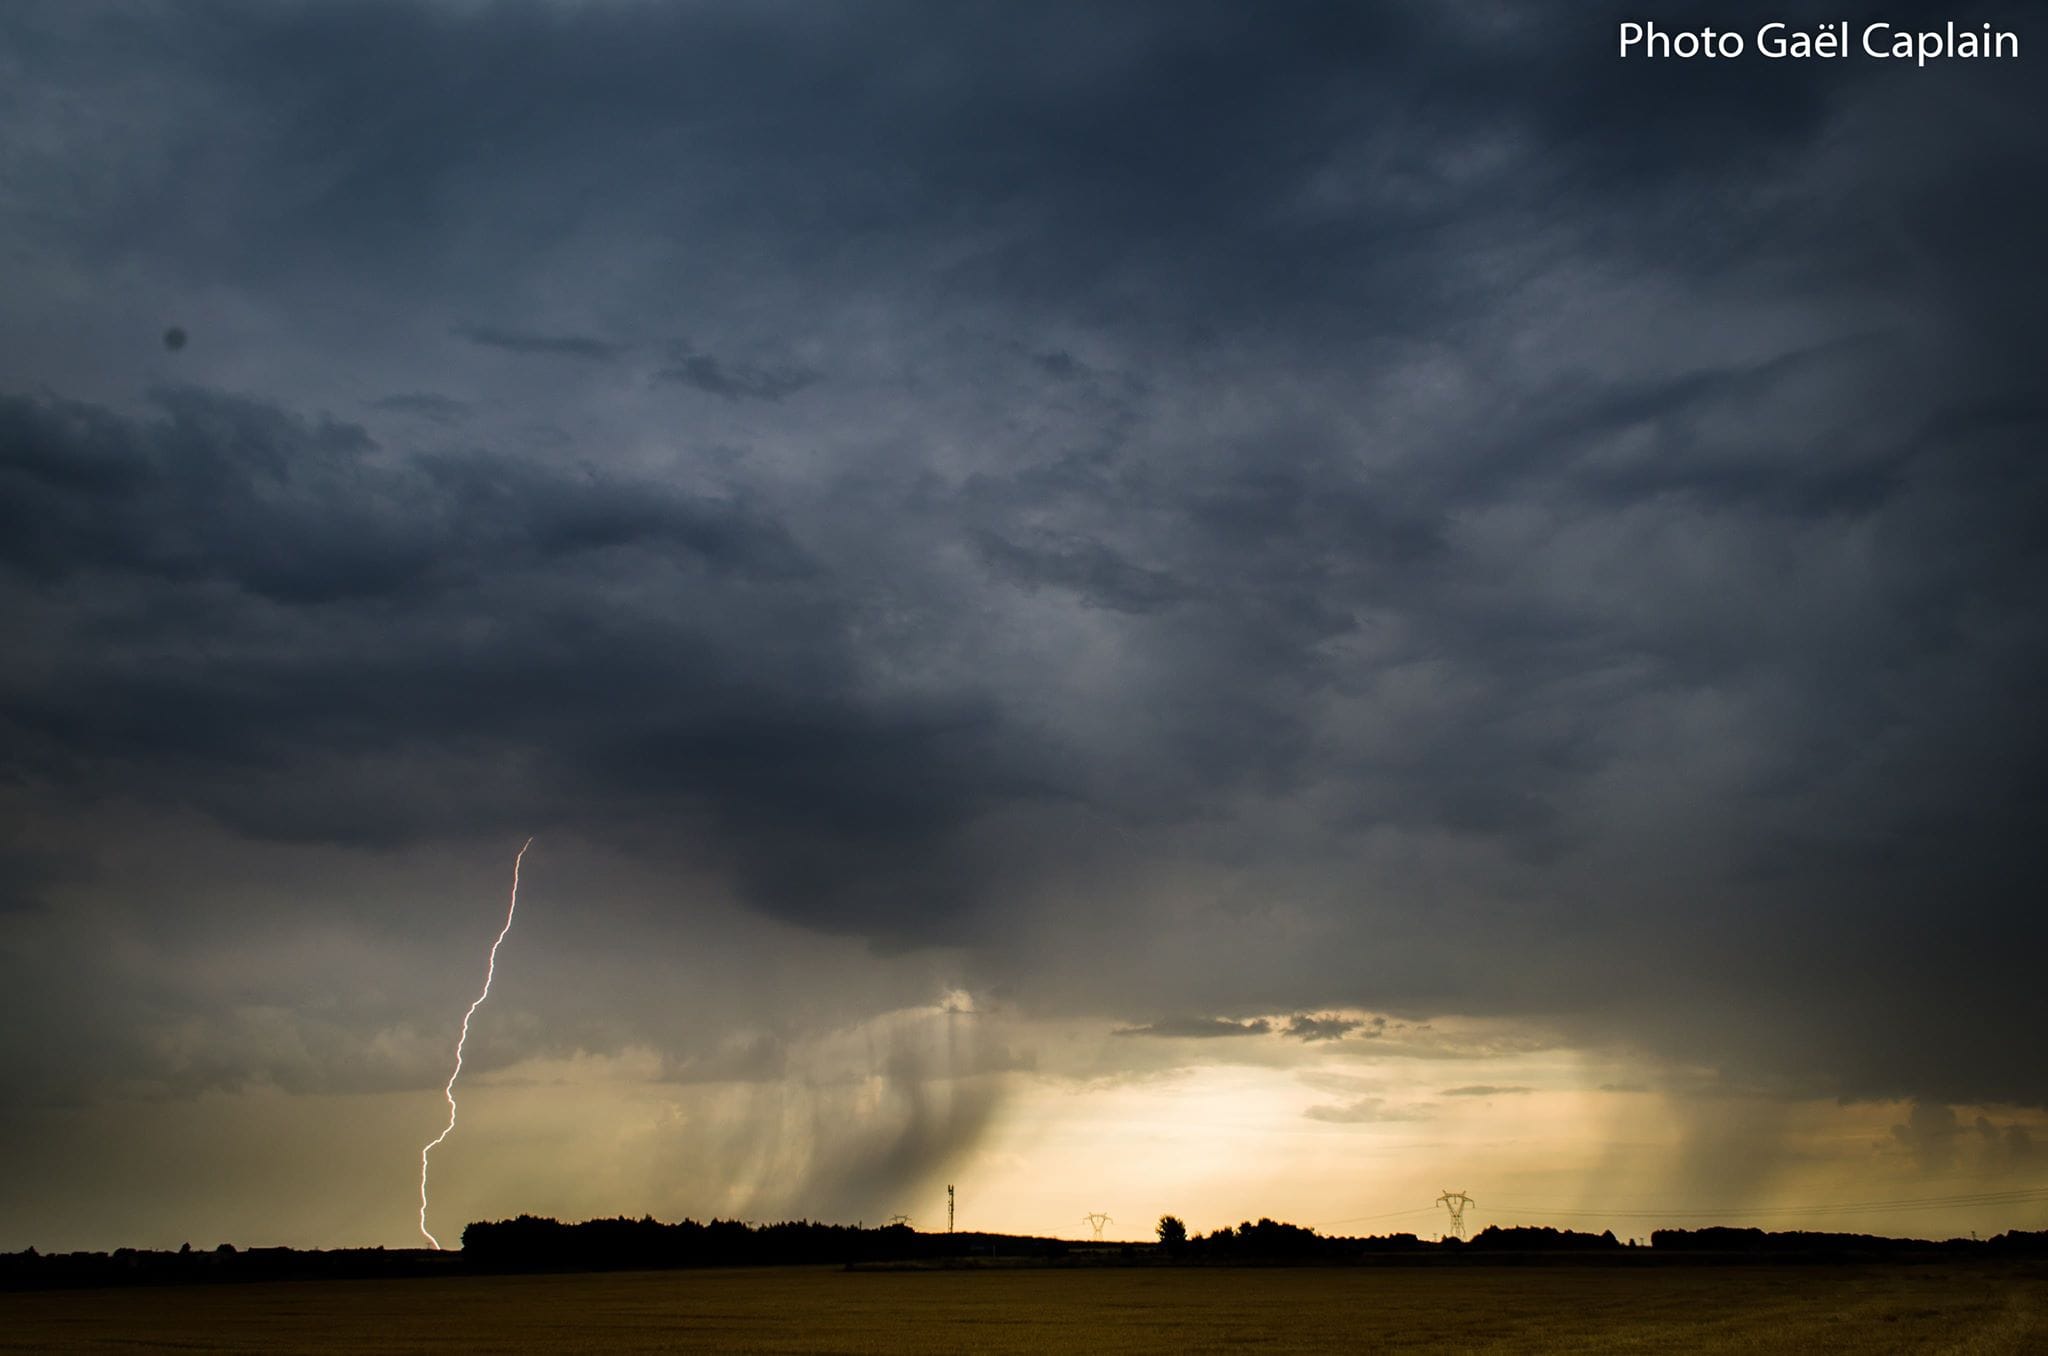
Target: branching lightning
column 490, row 973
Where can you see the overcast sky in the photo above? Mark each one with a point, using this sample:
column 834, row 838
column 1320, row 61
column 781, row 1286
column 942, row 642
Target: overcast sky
column 1044, row 576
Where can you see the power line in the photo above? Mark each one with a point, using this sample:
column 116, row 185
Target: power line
column 1928, row 1179
column 1391, row 1214
column 2016, row 1196
column 1509, row 1206
column 2013, row 1195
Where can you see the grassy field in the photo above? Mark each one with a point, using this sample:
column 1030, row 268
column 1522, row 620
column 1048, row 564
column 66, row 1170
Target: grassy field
column 1959, row 1309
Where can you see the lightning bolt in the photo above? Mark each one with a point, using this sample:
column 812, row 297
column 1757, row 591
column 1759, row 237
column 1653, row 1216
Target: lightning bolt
column 490, row 973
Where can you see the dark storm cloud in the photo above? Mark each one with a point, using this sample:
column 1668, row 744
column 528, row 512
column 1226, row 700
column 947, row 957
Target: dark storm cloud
column 297, row 512
column 1091, row 571
column 425, row 405
column 1564, row 535
column 1303, row 1027
column 1058, row 363
column 25, row 877
column 344, row 586
column 735, row 381
column 545, row 345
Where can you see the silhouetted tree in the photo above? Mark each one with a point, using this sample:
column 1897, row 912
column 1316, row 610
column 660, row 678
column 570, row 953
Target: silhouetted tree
column 1540, row 1238
column 1173, row 1235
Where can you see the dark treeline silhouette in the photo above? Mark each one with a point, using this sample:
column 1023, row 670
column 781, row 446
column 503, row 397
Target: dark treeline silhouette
column 1271, row 1241
column 529, row 1244
column 1541, row 1238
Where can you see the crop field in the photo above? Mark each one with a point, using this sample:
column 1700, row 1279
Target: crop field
column 1957, row 1309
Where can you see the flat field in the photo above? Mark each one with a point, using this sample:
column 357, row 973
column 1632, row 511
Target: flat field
column 1949, row 1308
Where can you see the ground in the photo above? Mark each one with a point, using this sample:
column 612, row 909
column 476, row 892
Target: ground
column 1948, row 1308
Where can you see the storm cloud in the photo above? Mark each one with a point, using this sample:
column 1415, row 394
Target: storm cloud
column 1178, row 509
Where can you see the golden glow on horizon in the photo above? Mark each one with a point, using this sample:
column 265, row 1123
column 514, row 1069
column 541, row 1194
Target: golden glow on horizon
column 1040, row 1123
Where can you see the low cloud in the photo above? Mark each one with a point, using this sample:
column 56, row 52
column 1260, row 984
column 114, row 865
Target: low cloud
column 2013, row 1142
column 1199, row 1028
column 1303, row 1027
column 1929, row 1134
column 1366, row 1111
column 1939, row 1141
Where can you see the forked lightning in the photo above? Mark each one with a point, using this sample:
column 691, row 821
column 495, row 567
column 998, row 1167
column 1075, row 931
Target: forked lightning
column 490, row 972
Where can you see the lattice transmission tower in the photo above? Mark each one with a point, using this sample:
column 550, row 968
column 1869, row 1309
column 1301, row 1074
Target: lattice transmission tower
column 1457, row 1202
column 1096, row 1221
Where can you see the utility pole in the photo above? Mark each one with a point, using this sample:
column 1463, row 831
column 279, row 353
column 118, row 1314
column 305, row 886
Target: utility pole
column 1456, row 1202
column 1096, row 1221
column 949, row 1208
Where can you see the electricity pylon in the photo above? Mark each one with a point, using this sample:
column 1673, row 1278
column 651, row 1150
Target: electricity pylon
column 1456, row 1202
column 1096, row 1221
